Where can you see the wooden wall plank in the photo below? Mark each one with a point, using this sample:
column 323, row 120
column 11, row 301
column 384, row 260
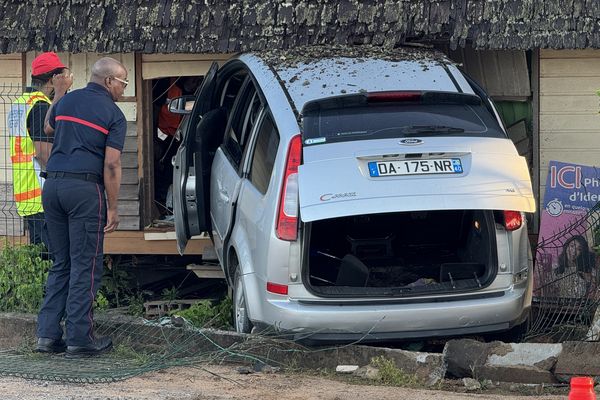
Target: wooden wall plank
column 576, row 104
column 131, row 145
column 559, row 67
column 570, row 122
column 569, row 85
column 129, row 192
column 587, row 53
column 129, row 223
column 129, row 208
column 129, row 160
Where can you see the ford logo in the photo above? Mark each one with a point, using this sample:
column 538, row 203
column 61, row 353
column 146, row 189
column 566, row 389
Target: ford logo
column 411, row 142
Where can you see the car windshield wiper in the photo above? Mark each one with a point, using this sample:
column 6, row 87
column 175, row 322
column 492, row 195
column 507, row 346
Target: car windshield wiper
column 421, row 129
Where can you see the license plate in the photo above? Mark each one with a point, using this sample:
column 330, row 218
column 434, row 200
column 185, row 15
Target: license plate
column 415, row 167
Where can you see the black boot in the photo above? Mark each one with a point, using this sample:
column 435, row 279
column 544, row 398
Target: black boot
column 98, row 346
column 45, row 345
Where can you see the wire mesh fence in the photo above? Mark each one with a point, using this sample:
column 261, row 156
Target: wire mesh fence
column 140, row 346
column 567, row 283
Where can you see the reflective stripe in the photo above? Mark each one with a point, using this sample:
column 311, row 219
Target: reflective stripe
column 32, row 194
column 82, row 122
column 36, row 97
column 21, row 158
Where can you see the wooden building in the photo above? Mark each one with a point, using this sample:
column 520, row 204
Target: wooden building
column 536, row 58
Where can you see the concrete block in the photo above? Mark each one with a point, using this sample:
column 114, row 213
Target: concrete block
column 540, row 355
column 578, row 358
column 16, row 328
column 462, row 356
column 515, row 374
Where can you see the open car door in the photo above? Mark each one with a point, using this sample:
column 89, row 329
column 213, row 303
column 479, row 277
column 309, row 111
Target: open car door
column 188, row 194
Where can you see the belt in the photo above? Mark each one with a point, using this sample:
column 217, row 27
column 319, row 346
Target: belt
column 83, row 176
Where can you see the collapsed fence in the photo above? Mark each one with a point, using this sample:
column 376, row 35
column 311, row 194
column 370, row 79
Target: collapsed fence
column 567, row 282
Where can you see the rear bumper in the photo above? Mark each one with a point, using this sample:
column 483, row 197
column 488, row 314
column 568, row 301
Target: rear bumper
column 381, row 321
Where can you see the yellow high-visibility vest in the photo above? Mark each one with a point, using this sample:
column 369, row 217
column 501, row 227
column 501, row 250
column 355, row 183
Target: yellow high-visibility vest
column 27, row 183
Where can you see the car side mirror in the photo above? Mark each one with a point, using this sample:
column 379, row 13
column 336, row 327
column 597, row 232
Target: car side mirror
column 182, row 104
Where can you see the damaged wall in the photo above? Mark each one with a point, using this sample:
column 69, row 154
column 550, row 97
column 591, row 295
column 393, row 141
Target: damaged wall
column 197, row 26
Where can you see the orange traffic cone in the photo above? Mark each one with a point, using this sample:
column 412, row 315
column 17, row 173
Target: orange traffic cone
column 582, row 388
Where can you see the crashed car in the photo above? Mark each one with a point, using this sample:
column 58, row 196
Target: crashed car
column 357, row 194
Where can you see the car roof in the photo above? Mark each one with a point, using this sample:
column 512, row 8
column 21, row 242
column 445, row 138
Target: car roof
column 317, row 72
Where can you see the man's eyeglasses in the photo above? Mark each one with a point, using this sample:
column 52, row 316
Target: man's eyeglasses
column 125, row 82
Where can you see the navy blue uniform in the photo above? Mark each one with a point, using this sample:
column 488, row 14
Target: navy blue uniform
column 86, row 121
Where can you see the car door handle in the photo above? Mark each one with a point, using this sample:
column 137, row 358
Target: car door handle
column 223, row 195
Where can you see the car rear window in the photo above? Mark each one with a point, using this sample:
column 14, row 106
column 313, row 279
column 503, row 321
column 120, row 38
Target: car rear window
column 384, row 121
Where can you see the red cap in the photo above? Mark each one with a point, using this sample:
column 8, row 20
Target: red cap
column 45, row 63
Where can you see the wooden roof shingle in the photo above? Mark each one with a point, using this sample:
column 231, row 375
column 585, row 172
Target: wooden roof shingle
column 199, row 26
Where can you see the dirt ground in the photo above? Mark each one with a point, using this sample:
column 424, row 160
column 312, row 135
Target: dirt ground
column 224, row 382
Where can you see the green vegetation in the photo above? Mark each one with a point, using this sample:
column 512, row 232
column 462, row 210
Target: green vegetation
column 23, row 274
column 127, row 352
column 206, row 315
column 392, row 375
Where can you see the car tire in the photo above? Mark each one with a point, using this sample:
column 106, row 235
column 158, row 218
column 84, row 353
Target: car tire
column 241, row 321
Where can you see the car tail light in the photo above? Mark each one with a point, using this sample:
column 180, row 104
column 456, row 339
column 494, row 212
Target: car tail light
column 384, row 97
column 277, row 288
column 512, row 220
column 287, row 216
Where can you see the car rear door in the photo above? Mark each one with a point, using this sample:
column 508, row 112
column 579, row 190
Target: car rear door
column 432, row 151
column 185, row 190
column 227, row 168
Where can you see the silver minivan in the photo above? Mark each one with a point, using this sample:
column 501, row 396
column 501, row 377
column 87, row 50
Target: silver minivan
column 357, row 194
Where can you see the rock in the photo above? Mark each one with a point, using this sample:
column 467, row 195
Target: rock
column 546, row 364
column 429, row 368
column 346, row 369
column 368, row 372
column 464, row 355
column 515, row 374
column 509, row 362
column 578, row 358
column 268, row 369
column 487, row 384
column 540, row 355
column 244, row 370
column 471, row 384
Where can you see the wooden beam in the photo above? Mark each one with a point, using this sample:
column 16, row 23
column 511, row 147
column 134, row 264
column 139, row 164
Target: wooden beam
column 535, row 88
column 24, row 69
column 145, row 144
column 132, row 242
column 207, row 271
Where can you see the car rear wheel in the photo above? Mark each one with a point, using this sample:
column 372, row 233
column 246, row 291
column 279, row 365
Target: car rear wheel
column 240, row 306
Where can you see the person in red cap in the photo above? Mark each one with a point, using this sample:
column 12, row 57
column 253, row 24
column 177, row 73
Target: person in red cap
column 29, row 145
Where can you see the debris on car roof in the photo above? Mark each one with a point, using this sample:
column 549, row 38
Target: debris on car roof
column 281, row 59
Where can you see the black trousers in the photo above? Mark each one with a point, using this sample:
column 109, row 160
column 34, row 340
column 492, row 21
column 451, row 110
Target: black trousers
column 37, row 229
column 75, row 213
